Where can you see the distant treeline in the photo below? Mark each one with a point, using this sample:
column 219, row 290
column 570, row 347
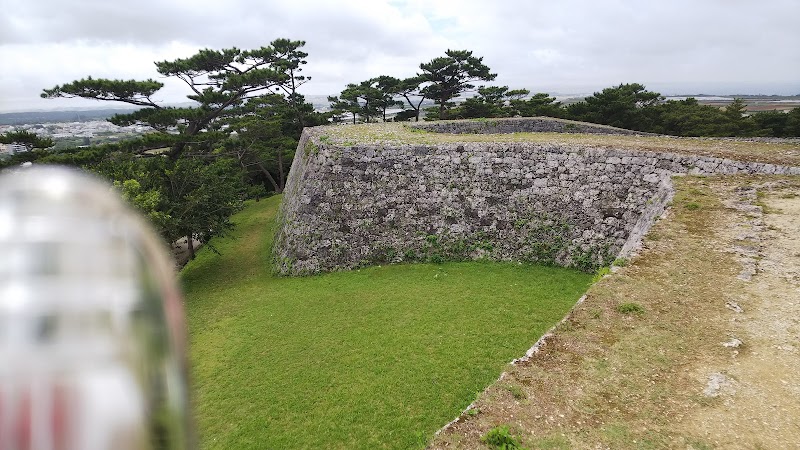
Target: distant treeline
column 633, row 107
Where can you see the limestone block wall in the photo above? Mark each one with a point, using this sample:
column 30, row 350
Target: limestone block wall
column 521, row 125
column 572, row 205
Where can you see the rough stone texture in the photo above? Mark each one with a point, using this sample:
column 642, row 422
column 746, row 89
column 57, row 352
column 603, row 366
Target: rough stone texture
column 572, row 205
column 521, row 125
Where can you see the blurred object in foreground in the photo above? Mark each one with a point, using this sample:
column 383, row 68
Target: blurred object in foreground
column 92, row 334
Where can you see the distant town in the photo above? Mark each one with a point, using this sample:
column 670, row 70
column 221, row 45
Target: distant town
column 72, row 134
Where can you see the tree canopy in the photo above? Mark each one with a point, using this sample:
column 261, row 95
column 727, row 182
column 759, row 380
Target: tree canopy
column 264, row 136
column 217, row 80
column 448, row 76
column 26, row 139
column 368, row 99
column 620, row 106
column 193, row 187
column 500, row 101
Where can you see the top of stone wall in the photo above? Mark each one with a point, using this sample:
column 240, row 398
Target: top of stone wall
column 521, row 125
column 545, row 131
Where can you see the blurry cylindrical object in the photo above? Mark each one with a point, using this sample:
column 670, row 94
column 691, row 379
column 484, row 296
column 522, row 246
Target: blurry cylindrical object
column 92, row 333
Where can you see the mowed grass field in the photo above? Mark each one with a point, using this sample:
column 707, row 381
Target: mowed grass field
column 380, row 357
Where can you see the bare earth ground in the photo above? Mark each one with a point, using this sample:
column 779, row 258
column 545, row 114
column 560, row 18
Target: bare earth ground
column 694, row 344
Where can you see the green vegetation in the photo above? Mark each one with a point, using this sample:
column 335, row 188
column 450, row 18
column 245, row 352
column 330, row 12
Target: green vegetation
column 515, row 391
column 368, row 99
column 500, row 438
column 630, row 308
column 600, row 273
column 380, row 357
column 628, row 105
column 633, row 107
column 446, row 77
column 441, row 80
column 620, row 262
column 239, row 136
column 26, row 139
column 692, row 206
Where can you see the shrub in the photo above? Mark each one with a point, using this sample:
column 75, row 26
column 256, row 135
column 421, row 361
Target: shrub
column 500, row 438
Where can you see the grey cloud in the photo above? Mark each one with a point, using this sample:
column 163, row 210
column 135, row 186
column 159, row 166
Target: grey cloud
column 609, row 42
column 146, row 22
column 540, row 45
column 238, row 23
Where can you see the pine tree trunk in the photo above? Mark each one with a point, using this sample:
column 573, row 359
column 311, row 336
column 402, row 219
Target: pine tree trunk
column 190, row 245
column 294, row 101
column 278, row 188
column 418, row 108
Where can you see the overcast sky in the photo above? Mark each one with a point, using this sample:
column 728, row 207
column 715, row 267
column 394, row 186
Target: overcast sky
column 564, row 46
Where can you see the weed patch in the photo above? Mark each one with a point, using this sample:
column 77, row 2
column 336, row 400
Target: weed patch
column 515, row 391
column 500, row 438
column 601, row 272
column 630, row 308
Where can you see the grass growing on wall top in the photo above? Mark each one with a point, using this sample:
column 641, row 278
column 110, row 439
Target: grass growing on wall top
column 380, row 357
column 785, row 152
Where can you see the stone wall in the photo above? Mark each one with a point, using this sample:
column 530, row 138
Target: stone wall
column 572, row 205
column 521, row 125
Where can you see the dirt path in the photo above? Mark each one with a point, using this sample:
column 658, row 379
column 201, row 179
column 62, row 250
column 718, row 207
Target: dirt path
column 759, row 384
column 695, row 344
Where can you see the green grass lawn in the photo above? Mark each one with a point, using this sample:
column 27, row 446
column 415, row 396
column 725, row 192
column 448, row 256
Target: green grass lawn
column 376, row 358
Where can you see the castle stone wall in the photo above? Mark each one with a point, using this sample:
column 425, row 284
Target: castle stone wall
column 572, row 205
column 521, row 125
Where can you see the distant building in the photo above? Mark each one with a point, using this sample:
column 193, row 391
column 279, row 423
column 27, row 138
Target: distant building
column 12, row 149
